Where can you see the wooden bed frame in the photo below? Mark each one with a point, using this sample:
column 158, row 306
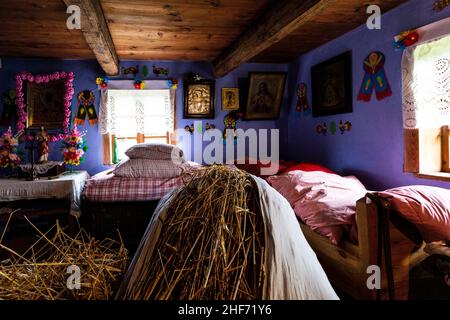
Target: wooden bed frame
column 346, row 264
column 103, row 219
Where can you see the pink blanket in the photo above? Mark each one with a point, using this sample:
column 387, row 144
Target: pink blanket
column 323, row 201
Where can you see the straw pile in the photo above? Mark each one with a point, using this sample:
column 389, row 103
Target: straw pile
column 41, row 273
column 211, row 244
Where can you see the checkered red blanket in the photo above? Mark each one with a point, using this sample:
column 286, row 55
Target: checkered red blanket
column 105, row 187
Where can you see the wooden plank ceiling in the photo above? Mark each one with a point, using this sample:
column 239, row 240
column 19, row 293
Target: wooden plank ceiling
column 169, row 30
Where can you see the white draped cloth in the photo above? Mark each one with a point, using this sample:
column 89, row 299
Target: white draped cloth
column 426, row 78
column 65, row 186
column 127, row 111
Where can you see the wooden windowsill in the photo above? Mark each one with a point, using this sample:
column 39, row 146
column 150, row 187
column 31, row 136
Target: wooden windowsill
column 441, row 176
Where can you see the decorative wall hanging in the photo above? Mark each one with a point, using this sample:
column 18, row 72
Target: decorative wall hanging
column 158, row 71
column 332, row 86
column 405, row 39
column 199, row 99
column 265, row 94
column 230, row 99
column 74, row 148
column 190, row 128
column 333, row 127
column 102, row 82
column 9, row 107
column 322, row 129
column 86, row 107
column 302, row 101
column 230, row 122
column 172, row 84
column 130, row 70
column 440, row 5
column 139, row 84
column 347, row 126
column 8, row 152
column 49, row 98
column 145, row 71
column 374, row 78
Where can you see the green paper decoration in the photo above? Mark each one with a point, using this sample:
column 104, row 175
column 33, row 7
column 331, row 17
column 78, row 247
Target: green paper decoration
column 145, row 71
column 333, row 127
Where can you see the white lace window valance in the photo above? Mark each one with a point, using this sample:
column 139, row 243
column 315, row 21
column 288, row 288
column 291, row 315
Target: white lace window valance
column 127, row 112
column 426, row 80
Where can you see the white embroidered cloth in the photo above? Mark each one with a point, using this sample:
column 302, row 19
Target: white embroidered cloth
column 65, row 186
column 40, row 168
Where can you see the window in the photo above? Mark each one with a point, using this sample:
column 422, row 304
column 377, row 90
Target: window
column 134, row 116
column 426, row 107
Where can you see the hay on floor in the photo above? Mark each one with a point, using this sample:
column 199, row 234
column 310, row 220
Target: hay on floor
column 42, row 272
column 211, row 244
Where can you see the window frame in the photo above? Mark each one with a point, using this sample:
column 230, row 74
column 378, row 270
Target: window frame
column 445, row 137
column 108, row 139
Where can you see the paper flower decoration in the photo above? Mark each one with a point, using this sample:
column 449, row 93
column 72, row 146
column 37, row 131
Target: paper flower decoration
column 172, row 84
column 8, row 155
column 74, row 148
column 139, row 84
column 405, row 39
column 102, row 82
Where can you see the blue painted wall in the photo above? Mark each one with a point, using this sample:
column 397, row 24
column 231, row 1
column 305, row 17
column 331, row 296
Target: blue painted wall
column 373, row 150
column 86, row 72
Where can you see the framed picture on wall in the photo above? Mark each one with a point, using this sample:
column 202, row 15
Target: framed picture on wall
column 45, row 104
column 265, row 94
column 199, row 99
column 332, row 86
column 230, row 99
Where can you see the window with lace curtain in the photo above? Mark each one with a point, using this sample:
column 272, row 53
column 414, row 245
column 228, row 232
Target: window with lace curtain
column 129, row 117
column 426, row 106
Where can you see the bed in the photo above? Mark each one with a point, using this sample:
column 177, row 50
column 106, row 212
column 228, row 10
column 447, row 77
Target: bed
column 346, row 262
column 110, row 203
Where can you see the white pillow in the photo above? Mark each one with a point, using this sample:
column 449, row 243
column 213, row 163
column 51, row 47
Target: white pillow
column 156, row 151
column 147, row 168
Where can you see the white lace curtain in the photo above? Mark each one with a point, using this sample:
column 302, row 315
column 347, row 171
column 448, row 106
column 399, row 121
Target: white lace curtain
column 426, row 80
column 128, row 112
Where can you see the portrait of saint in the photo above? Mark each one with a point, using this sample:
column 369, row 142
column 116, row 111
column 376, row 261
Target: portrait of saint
column 230, row 99
column 331, row 83
column 45, row 104
column 265, row 94
column 199, row 99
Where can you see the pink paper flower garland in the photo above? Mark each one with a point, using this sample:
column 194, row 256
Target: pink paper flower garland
column 21, row 113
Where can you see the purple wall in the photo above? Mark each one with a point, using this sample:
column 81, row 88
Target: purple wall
column 373, row 149
column 86, row 72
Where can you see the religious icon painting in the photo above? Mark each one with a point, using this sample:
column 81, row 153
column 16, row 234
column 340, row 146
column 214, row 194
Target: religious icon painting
column 199, row 99
column 265, row 95
column 331, row 82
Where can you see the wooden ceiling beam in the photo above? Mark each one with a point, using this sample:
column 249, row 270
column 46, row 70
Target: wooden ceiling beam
column 277, row 22
column 95, row 31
